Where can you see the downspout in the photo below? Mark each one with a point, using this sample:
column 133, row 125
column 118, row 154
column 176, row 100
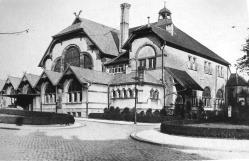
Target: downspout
column 56, row 99
column 41, row 100
column 108, row 96
column 87, row 102
column 163, row 47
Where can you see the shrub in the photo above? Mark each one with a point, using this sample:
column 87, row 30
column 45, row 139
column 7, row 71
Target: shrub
column 163, row 111
column 38, row 118
column 156, row 113
column 149, row 112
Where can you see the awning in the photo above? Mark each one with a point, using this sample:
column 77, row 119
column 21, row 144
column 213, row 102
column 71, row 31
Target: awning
column 184, row 79
column 20, row 95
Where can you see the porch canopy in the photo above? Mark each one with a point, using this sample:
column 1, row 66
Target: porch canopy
column 20, row 95
column 184, row 79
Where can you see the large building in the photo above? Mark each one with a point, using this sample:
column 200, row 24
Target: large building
column 89, row 66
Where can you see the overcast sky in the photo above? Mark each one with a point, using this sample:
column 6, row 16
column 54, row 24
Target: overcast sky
column 208, row 21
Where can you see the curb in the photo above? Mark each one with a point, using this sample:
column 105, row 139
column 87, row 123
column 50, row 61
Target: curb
column 37, row 127
column 180, row 147
column 116, row 122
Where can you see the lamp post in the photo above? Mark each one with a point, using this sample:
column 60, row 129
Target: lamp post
column 136, row 80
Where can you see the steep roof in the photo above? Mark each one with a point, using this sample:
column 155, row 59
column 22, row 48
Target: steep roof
column 104, row 37
column 15, row 81
column 2, row 82
column 179, row 39
column 32, row 79
column 236, row 80
column 90, row 76
column 183, row 78
column 52, row 76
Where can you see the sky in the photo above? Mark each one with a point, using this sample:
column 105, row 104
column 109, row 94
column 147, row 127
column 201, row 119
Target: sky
column 208, row 21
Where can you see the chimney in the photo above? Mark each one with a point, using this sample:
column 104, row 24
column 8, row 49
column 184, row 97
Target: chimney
column 124, row 24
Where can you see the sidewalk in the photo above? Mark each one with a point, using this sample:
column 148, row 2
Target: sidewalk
column 118, row 122
column 210, row 147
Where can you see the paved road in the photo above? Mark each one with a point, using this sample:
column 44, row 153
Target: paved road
column 94, row 141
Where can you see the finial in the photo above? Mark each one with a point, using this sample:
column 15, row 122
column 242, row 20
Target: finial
column 77, row 15
column 148, row 21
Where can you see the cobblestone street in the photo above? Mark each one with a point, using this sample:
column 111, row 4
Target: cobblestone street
column 93, row 141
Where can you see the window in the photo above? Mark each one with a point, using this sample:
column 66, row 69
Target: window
column 154, row 94
column 130, row 93
column 124, row 93
column 57, row 66
column 220, row 71
column 147, row 54
column 114, row 95
column 87, row 61
column 118, row 94
column 206, row 97
column 194, row 99
column 207, row 68
column 74, row 92
column 192, row 65
column 142, row 63
column 72, row 57
column 49, row 94
column 26, row 89
column 219, row 98
column 152, row 63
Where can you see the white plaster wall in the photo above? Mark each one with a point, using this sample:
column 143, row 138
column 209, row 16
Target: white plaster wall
column 178, row 59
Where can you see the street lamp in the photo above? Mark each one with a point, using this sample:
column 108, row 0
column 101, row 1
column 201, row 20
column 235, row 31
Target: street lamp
column 136, row 78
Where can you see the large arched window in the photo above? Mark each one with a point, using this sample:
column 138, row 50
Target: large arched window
column 75, row 92
column 147, row 57
column 49, row 94
column 57, row 65
column 87, row 61
column 72, row 57
column 206, row 97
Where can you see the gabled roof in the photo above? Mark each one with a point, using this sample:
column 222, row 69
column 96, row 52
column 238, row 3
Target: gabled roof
column 2, row 82
column 15, row 81
column 236, row 80
column 104, row 37
column 184, row 79
column 122, row 58
column 52, row 76
column 31, row 78
column 179, row 39
column 90, row 76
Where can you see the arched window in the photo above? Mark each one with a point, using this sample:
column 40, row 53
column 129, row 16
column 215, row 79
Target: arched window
column 114, row 94
column 72, row 57
column 57, row 65
column 87, row 61
column 151, row 93
column 75, row 92
column 118, row 93
column 124, row 93
column 219, row 98
column 156, row 94
column 49, row 94
column 130, row 93
column 147, row 57
column 206, row 97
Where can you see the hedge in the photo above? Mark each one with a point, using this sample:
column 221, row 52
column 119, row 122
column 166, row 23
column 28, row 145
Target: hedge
column 182, row 128
column 34, row 117
column 130, row 117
